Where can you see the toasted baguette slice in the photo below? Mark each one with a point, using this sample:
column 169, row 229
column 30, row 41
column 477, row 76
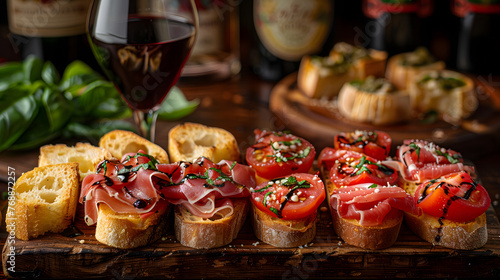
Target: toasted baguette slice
column 189, row 141
column 283, row 233
column 195, row 232
column 86, row 155
column 463, row 236
column 126, row 231
column 46, row 199
column 121, row 142
column 378, row 237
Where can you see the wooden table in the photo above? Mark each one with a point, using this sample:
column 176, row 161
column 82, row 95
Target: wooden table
column 240, row 106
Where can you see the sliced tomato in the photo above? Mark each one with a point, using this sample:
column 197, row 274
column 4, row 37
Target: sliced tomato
column 376, row 144
column 278, row 154
column 351, row 168
column 293, row 197
column 454, row 197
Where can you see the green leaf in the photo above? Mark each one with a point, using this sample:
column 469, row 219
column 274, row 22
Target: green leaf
column 176, row 106
column 78, row 74
column 100, row 99
column 18, row 108
column 50, row 74
column 58, row 109
column 11, row 73
column 94, row 131
column 32, row 67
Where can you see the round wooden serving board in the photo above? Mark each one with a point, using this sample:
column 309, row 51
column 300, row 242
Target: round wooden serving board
column 319, row 120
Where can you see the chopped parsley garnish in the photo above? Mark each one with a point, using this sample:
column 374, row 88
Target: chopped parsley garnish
column 275, row 211
column 372, row 186
column 416, row 148
column 452, row 159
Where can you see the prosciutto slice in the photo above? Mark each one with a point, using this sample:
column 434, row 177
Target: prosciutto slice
column 422, row 160
column 370, row 205
column 139, row 185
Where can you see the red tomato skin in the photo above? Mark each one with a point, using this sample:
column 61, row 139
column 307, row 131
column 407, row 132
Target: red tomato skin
column 444, row 201
column 271, row 169
column 379, row 149
column 294, row 210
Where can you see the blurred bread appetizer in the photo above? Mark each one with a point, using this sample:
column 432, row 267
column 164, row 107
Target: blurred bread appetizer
column 285, row 209
column 374, row 101
column 364, row 62
column 188, row 141
column 277, row 154
column 375, row 144
column 449, row 93
column 323, row 77
column 401, row 68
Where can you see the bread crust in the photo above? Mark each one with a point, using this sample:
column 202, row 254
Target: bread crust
column 121, row 142
column 189, row 141
column 377, row 237
column 464, row 236
column 283, row 233
column 194, row 232
column 129, row 230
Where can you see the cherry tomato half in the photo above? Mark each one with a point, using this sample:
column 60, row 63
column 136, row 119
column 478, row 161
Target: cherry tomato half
column 278, row 154
column 455, row 197
column 293, row 197
column 376, row 144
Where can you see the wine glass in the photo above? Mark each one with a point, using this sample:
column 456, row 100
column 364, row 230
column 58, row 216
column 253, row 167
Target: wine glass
column 142, row 46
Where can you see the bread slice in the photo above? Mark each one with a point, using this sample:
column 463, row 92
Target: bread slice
column 121, row 142
column 376, row 237
column 283, row 233
column 86, row 155
column 126, row 231
column 189, row 141
column 195, row 232
column 463, row 236
column 46, row 199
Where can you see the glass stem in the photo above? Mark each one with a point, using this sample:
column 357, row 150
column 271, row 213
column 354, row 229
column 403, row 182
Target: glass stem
column 146, row 123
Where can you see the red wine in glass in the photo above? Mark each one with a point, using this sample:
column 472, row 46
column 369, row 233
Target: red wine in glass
column 142, row 47
column 148, row 64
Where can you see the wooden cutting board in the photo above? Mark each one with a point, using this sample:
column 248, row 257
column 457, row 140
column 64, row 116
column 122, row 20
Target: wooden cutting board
column 327, row 256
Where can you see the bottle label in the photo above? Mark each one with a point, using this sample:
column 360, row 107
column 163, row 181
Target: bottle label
column 290, row 29
column 50, row 18
column 461, row 8
column 375, row 8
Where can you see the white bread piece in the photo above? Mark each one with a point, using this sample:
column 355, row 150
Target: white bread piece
column 463, row 236
column 46, row 199
column 126, row 231
column 121, row 142
column 86, row 155
column 195, row 232
column 377, row 237
column 189, row 141
column 283, row 233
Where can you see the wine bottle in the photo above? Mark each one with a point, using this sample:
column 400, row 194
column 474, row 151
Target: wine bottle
column 52, row 30
column 397, row 26
column 285, row 31
column 216, row 53
column 478, row 48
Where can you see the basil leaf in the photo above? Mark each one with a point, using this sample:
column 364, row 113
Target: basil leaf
column 49, row 74
column 372, row 186
column 18, row 109
column 176, row 106
column 77, row 74
column 416, row 148
column 11, row 74
column 32, row 68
